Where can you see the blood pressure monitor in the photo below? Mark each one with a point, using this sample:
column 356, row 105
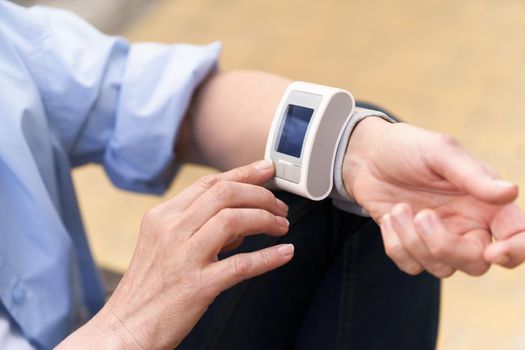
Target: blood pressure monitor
column 308, row 139
column 304, row 136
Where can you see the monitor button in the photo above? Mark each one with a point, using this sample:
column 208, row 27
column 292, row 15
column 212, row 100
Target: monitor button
column 292, row 173
column 279, row 169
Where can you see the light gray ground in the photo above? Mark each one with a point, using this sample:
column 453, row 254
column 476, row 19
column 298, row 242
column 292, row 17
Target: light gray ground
column 110, row 16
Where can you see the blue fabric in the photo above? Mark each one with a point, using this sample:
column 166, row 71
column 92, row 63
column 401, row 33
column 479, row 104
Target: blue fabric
column 71, row 95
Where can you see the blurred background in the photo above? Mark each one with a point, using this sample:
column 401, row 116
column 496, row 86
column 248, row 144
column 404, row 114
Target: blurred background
column 456, row 66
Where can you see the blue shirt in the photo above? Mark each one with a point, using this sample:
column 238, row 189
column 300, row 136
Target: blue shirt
column 69, row 96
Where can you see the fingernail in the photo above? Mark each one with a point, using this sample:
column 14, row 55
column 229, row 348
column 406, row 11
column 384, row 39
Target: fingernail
column 504, row 183
column 286, row 249
column 281, row 205
column 400, row 214
column 502, row 260
column 424, row 222
column 264, row 165
column 386, row 221
column 282, row 221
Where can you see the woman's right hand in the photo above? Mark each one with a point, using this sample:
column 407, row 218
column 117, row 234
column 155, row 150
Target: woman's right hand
column 175, row 273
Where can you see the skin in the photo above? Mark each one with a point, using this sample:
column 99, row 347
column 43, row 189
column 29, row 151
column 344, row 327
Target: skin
column 175, row 273
column 440, row 209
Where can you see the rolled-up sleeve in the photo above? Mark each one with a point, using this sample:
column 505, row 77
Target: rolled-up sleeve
column 157, row 87
column 109, row 101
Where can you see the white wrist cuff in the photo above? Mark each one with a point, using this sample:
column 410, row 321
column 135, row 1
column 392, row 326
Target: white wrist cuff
column 340, row 198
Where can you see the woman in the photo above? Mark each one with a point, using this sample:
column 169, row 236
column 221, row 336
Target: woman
column 72, row 95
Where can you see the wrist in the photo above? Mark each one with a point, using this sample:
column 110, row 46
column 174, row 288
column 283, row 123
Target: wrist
column 108, row 324
column 104, row 330
column 361, row 148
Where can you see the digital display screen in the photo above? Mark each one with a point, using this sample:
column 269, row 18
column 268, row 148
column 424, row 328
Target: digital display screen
column 294, row 129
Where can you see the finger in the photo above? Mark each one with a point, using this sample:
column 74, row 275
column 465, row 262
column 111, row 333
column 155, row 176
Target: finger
column 508, row 221
column 229, row 195
column 256, row 173
column 507, row 253
column 413, row 243
column 228, row 272
column 458, row 166
column 463, row 252
column 395, row 250
column 230, row 225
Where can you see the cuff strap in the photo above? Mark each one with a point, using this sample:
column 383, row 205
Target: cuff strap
column 340, row 198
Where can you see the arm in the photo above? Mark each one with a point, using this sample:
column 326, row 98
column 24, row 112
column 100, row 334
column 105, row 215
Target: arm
column 230, row 117
column 439, row 206
column 108, row 101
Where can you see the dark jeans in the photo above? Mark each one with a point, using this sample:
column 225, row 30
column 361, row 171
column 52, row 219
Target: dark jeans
column 340, row 291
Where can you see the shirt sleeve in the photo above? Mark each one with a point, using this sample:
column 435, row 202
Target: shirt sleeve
column 106, row 100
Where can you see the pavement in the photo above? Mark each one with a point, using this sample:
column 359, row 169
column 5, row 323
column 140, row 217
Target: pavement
column 112, row 17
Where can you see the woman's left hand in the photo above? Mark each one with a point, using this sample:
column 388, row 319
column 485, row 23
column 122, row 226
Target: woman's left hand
column 438, row 206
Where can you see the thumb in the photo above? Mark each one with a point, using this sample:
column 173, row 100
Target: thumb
column 508, row 253
column 469, row 174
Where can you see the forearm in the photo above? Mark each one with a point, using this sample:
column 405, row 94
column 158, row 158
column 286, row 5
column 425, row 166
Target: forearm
column 229, row 118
